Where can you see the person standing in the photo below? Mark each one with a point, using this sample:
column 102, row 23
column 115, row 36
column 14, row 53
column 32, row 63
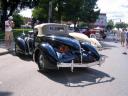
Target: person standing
column 37, row 22
column 126, row 38
column 122, row 37
column 9, row 24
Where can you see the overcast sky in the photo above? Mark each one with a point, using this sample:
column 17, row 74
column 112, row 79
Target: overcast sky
column 115, row 9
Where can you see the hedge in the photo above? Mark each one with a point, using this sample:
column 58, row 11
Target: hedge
column 16, row 32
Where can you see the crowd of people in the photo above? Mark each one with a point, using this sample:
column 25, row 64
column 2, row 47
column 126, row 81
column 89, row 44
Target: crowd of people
column 122, row 36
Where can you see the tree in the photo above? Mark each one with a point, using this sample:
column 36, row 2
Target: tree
column 40, row 12
column 8, row 7
column 68, row 10
column 19, row 20
column 110, row 25
column 81, row 10
column 121, row 25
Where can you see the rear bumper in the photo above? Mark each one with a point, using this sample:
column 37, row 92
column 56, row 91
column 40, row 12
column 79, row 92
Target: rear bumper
column 80, row 65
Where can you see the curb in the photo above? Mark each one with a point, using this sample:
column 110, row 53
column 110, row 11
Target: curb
column 3, row 51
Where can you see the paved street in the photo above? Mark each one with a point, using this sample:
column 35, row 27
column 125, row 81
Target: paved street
column 20, row 77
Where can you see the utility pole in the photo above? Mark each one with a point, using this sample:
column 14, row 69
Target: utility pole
column 50, row 12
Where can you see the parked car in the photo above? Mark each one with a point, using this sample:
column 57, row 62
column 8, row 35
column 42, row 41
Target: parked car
column 52, row 47
column 84, row 38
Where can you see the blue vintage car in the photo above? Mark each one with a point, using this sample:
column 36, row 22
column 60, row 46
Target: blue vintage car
column 52, row 47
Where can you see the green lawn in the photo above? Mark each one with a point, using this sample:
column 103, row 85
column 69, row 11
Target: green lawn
column 16, row 32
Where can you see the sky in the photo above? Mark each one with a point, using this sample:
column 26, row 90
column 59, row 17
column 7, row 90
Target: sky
column 116, row 10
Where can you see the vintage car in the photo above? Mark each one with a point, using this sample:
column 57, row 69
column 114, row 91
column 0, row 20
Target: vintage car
column 52, row 47
column 84, row 38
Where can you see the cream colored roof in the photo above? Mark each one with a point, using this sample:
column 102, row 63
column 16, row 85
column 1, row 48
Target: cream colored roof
column 79, row 36
column 51, row 29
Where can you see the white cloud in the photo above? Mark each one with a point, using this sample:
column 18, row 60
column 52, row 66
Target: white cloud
column 115, row 9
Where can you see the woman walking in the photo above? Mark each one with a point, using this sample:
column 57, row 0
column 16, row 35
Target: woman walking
column 122, row 37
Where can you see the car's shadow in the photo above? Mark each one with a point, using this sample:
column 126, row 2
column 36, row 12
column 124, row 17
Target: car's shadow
column 22, row 56
column 78, row 78
column 6, row 93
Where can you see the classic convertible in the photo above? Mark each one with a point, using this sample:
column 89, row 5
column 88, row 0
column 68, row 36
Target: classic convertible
column 84, row 38
column 52, row 47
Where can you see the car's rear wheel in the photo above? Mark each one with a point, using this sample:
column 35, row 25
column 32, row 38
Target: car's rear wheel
column 41, row 62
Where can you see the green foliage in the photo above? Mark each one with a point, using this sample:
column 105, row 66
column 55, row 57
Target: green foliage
column 41, row 11
column 110, row 25
column 68, row 10
column 16, row 32
column 40, row 14
column 8, row 7
column 121, row 25
column 19, row 20
column 83, row 25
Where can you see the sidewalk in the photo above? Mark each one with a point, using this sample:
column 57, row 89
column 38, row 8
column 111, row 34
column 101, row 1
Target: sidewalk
column 3, row 49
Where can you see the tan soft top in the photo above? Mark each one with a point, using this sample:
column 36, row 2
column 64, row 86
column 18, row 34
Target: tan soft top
column 51, row 29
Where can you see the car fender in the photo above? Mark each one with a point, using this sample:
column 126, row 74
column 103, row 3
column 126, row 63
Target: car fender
column 48, row 51
column 21, row 43
column 90, row 48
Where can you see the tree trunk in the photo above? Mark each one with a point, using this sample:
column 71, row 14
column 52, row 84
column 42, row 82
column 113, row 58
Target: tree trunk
column 3, row 18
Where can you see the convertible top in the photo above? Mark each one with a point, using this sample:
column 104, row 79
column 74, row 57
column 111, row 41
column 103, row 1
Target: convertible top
column 51, row 29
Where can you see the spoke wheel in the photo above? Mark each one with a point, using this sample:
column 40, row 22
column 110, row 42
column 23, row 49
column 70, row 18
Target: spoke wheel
column 41, row 63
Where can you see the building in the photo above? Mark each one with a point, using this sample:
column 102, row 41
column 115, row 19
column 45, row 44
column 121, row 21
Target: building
column 101, row 21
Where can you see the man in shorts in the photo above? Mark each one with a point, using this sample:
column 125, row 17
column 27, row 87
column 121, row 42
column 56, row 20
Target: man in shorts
column 9, row 24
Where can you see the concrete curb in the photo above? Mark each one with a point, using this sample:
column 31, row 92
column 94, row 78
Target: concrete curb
column 3, row 51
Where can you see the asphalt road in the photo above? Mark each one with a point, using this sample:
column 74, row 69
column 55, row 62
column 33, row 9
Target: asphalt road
column 20, row 77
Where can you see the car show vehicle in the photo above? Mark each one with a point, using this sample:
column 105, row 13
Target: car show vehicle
column 52, row 47
column 84, row 38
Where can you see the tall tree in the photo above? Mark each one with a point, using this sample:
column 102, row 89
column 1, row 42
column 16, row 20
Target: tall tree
column 83, row 10
column 110, row 25
column 40, row 12
column 73, row 10
column 9, row 6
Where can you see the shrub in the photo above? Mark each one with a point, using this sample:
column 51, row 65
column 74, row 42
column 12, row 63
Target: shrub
column 16, row 32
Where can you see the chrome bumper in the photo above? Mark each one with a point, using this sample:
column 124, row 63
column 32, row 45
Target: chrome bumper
column 80, row 65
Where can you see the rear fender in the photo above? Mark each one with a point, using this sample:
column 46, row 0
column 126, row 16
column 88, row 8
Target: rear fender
column 88, row 47
column 49, row 52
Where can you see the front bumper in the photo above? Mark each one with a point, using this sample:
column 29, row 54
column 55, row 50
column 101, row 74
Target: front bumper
column 80, row 65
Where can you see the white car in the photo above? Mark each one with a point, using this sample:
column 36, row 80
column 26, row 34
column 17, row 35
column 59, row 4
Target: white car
column 84, row 38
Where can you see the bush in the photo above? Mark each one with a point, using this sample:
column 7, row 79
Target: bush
column 16, row 32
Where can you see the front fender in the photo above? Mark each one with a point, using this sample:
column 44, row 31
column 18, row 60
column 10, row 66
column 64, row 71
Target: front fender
column 21, row 43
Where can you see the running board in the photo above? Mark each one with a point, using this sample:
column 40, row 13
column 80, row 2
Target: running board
column 80, row 65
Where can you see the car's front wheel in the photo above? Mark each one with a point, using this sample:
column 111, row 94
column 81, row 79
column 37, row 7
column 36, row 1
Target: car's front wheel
column 16, row 49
